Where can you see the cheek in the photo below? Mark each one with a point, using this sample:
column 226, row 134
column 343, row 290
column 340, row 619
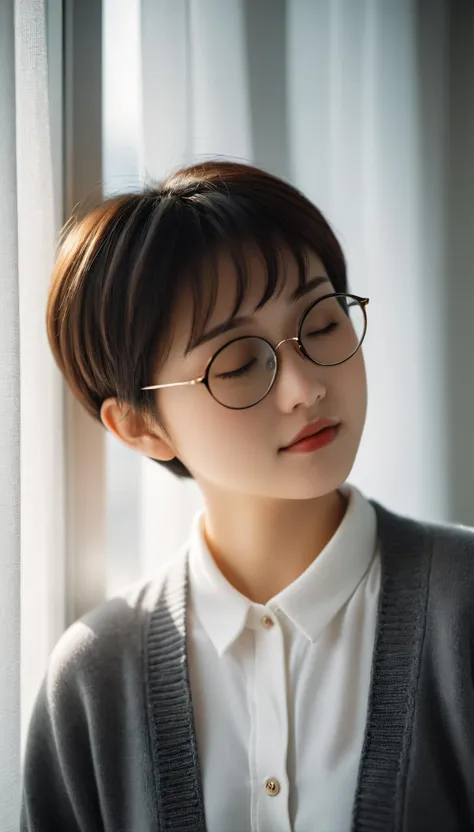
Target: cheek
column 205, row 434
column 355, row 386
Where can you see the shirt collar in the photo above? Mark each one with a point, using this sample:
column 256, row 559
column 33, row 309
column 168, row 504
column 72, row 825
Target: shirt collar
column 221, row 609
column 311, row 601
column 315, row 598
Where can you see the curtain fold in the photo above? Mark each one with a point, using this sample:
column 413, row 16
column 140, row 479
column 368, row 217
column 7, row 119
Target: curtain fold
column 32, row 551
column 43, row 551
column 9, row 438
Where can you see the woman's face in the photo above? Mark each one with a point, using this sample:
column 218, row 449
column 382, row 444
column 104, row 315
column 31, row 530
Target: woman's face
column 240, row 450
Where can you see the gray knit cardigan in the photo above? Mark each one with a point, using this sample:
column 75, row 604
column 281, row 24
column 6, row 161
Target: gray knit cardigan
column 112, row 746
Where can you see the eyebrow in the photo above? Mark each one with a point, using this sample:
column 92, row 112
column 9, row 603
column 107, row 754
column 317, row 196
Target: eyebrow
column 234, row 323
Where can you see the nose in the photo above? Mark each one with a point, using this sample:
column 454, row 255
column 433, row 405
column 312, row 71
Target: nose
column 299, row 380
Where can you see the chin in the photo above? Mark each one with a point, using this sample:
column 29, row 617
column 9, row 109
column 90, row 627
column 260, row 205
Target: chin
column 309, row 484
column 314, row 490
column 312, row 477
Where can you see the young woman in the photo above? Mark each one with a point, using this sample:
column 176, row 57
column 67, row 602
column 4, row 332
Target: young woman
column 305, row 662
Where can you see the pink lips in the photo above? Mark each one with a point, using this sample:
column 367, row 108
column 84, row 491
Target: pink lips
column 314, row 442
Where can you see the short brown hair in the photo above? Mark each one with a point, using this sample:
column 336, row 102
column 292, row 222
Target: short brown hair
column 120, row 269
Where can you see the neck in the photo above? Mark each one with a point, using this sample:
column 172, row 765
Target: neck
column 261, row 549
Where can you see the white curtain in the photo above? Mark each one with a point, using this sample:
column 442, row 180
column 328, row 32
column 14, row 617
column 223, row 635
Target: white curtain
column 360, row 105
column 10, row 440
column 31, row 482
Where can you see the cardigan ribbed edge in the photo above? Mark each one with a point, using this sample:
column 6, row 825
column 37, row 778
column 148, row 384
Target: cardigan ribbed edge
column 180, row 802
column 406, row 550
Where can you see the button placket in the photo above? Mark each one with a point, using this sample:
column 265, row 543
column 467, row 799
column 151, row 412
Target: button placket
column 271, row 727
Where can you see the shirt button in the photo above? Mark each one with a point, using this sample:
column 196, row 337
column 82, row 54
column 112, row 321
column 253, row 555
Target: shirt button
column 267, row 622
column 272, row 787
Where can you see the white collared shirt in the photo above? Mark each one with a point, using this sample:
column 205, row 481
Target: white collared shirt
column 280, row 691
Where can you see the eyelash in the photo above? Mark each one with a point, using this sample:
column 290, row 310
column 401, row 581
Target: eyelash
column 327, row 330
column 242, row 370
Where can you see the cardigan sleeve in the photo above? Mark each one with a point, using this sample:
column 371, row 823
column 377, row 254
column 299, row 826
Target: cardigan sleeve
column 59, row 790
column 87, row 764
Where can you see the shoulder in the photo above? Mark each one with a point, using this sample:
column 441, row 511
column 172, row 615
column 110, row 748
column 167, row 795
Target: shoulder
column 451, row 547
column 452, row 567
column 106, row 642
column 101, row 651
column 91, row 702
column 110, row 630
column 442, row 539
column 442, row 551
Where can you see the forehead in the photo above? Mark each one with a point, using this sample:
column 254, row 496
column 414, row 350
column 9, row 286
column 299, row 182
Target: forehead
column 230, row 290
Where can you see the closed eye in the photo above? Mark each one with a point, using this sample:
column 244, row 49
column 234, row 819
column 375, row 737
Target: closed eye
column 326, row 331
column 240, row 372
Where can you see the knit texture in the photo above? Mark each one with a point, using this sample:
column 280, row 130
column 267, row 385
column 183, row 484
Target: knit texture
column 395, row 668
column 174, row 747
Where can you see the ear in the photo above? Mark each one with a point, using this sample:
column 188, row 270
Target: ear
column 135, row 431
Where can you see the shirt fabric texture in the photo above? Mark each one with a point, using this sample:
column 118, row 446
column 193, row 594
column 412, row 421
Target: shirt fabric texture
column 120, row 739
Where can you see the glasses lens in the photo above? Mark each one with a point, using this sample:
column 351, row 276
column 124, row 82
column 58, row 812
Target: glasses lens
column 242, row 373
column 333, row 329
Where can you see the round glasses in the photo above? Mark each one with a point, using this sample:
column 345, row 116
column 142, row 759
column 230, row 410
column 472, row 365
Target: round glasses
column 241, row 373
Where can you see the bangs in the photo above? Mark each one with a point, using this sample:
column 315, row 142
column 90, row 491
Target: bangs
column 238, row 235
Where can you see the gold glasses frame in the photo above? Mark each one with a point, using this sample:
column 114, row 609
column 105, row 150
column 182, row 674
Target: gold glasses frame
column 204, row 378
